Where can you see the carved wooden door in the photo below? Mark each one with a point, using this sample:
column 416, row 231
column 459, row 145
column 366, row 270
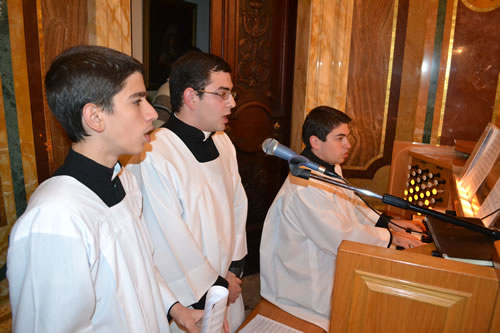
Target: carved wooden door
column 257, row 38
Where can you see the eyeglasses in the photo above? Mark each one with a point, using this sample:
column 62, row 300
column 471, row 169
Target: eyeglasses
column 224, row 95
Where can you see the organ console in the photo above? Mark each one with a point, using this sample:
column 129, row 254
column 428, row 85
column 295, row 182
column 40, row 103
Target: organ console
column 430, row 172
column 461, row 178
column 382, row 290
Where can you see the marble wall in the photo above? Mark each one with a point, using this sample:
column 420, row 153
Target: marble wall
column 17, row 159
column 321, row 58
column 473, row 77
column 409, row 70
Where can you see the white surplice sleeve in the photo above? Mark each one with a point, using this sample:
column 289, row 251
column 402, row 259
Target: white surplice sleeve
column 327, row 223
column 167, row 297
column 51, row 286
column 240, row 215
column 365, row 214
column 174, row 242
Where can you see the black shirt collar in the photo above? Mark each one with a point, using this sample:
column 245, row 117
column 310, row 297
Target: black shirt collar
column 313, row 158
column 203, row 150
column 95, row 176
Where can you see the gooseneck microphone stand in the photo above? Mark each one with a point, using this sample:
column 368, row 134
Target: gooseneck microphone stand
column 296, row 170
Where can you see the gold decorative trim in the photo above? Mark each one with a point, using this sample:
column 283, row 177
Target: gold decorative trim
column 318, row 62
column 492, row 5
column 496, row 107
column 389, row 78
column 447, row 74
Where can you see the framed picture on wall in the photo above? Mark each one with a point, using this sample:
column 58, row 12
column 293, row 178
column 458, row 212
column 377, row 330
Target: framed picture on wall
column 169, row 31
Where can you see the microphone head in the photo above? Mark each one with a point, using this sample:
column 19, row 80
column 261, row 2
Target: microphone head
column 269, row 146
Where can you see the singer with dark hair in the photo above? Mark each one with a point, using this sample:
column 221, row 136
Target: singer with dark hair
column 309, row 219
column 194, row 202
column 80, row 258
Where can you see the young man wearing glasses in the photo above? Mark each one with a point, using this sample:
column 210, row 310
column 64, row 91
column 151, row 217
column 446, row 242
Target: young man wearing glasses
column 194, row 203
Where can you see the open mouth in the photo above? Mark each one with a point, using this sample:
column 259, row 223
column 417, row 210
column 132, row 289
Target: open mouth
column 147, row 135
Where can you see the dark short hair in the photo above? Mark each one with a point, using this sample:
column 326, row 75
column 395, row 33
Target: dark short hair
column 321, row 121
column 86, row 74
column 192, row 70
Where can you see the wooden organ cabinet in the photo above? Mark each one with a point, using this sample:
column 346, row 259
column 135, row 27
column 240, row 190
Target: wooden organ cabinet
column 384, row 290
column 423, row 174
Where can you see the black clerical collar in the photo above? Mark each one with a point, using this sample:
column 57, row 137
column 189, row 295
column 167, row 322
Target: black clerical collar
column 95, row 176
column 203, row 150
column 313, row 158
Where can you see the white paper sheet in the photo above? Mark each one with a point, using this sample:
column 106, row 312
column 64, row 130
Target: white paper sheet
column 215, row 310
column 491, row 204
column 263, row 324
column 483, row 158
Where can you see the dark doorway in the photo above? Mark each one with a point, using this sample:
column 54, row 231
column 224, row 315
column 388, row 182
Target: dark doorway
column 257, row 38
column 169, row 31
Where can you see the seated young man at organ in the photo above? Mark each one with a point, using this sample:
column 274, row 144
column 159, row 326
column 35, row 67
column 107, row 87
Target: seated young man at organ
column 309, row 219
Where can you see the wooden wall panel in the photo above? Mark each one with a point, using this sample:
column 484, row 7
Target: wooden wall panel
column 63, row 25
column 111, row 25
column 304, row 21
column 257, row 38
column 35, row 80
column 369, row 68
column 375, row 74
column 70, row 23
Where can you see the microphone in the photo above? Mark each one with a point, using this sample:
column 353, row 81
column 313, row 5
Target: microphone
column 273, row 147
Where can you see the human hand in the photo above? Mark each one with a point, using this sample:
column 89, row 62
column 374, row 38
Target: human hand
column 186, row 318
column 404, row 239
column 401, row 225
column 234, row 287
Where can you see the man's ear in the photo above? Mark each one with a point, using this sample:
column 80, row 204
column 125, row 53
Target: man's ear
column 93, row 118
column 190, row 97
column 314, row 141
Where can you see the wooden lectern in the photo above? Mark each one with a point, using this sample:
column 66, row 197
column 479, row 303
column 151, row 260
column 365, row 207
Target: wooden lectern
column 383, row 290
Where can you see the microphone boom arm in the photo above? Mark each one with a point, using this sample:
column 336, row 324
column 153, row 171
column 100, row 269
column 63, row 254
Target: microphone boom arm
column 327, row 179
column 396, row 202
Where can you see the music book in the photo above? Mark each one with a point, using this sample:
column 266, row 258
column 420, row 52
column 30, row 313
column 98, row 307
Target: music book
column 484, row 158
column 215, row 310
column 461, row 244
column 265, row 325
